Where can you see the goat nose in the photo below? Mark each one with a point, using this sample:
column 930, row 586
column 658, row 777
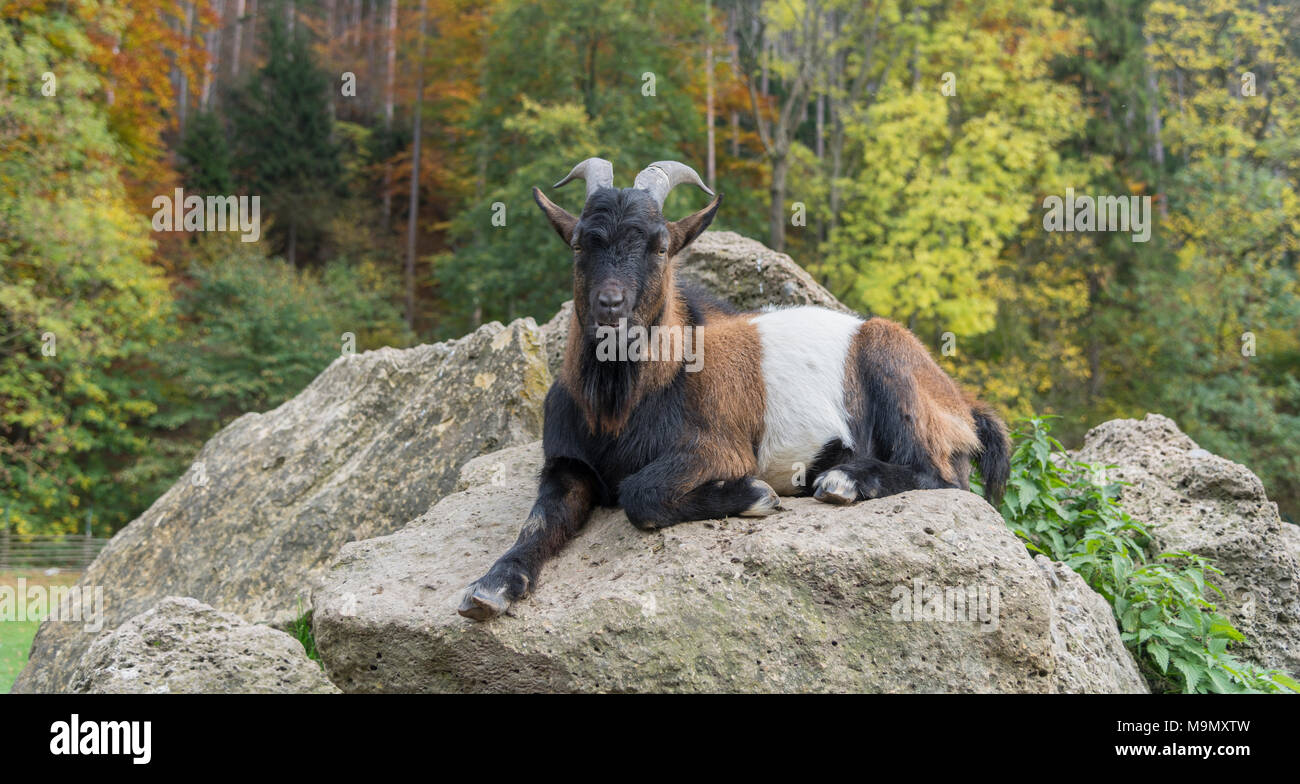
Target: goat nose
column 610, row 298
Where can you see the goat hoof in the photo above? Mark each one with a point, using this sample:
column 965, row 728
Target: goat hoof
column 767, row 503
column 480, row 604
column 835, row 487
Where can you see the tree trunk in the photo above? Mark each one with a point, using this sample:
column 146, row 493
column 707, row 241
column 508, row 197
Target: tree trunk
column 819, row 144
column 372, row 23
column 711, row 165
column 413, row 213
column 776, row 219
column 239, row 30
column 1155, row 129
column 212, row 63
column 390, row 48
column 1093, row 388
column 252, row 31
column 183, row 107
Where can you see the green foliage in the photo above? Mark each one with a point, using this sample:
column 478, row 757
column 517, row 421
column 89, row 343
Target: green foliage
column 252, row 332
column 1067, row 510
column 255, row 334
column 81, row 311
column 256, row 330
column 1096, row 326
column 564, row 81
column 922, row 205
column 286, row 149
column 208, row 160
column 301, row 631
column 947, row 181
column 520, row 268
column 1221, row 311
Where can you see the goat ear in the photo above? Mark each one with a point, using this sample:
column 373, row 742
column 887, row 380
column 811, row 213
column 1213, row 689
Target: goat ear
column 684, row 231
column 559, row 217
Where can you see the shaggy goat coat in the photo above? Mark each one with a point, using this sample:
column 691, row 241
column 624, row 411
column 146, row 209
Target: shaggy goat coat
column 796, row 400
column 782, row 394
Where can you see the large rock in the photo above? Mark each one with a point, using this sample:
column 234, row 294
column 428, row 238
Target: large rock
column 1194, row 501
column 1084, row 638
column 749, row 274
column 812, row 599
column 183, row 646
column 555, row 336
column 368, row 446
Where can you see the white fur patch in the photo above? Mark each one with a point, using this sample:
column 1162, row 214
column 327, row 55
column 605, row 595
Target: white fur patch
column 804, row 355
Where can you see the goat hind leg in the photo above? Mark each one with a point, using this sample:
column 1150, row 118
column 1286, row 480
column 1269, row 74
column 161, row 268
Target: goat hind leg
column 861, row 478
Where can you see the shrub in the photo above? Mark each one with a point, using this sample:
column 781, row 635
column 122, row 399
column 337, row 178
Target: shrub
column 1068, row 511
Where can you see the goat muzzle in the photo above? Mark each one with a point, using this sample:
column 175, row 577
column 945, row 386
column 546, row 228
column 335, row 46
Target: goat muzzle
column 610, row 304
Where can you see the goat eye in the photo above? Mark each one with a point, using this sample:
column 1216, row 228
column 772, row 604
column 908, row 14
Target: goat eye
column 662, row 251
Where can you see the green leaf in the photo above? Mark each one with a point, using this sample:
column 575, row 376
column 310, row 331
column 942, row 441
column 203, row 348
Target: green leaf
column 1158, row 652
column 1191, row 673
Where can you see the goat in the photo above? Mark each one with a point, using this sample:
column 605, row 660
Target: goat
column 860, row 405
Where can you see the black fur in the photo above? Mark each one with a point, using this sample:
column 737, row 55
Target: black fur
column 995, row 455
column 634, row 470
column 623, row 245
column 832, row 453
column 888, row 456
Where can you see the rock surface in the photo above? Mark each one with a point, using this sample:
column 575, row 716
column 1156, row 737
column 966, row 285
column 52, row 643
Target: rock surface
column 749, row 274
column 183, row 646
column 816, row 598
column 1084, row 636
column 368, row 446
column 1192, row 500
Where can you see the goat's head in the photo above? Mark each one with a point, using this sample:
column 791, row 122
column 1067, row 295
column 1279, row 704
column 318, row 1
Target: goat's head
column 622, row 245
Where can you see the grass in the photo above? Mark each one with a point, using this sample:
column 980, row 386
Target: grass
column 300, row 629
column 16, row 636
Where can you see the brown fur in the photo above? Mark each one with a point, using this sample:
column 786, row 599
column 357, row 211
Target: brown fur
column 939, row 410
column 728, row 398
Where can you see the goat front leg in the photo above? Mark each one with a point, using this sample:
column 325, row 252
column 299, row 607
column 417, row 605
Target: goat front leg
column 661, row 494
column 565, row 497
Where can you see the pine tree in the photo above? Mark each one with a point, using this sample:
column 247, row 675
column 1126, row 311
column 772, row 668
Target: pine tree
column 285, row 139
column 208, row 161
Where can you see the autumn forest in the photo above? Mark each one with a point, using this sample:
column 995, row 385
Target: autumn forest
column 1085, row 208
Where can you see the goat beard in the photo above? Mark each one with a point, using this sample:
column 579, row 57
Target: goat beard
column 609, row 388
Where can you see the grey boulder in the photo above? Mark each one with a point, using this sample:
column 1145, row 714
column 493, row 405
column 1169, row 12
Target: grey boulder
column 369, row 445
column 926, row 591
column 183, row 646
column 1194, row 501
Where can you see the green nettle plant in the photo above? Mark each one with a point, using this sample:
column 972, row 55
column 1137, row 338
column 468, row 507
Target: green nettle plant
column 1067, row 510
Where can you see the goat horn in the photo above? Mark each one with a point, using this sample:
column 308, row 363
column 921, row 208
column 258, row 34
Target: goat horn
column 598, row 172
column 661, row 177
